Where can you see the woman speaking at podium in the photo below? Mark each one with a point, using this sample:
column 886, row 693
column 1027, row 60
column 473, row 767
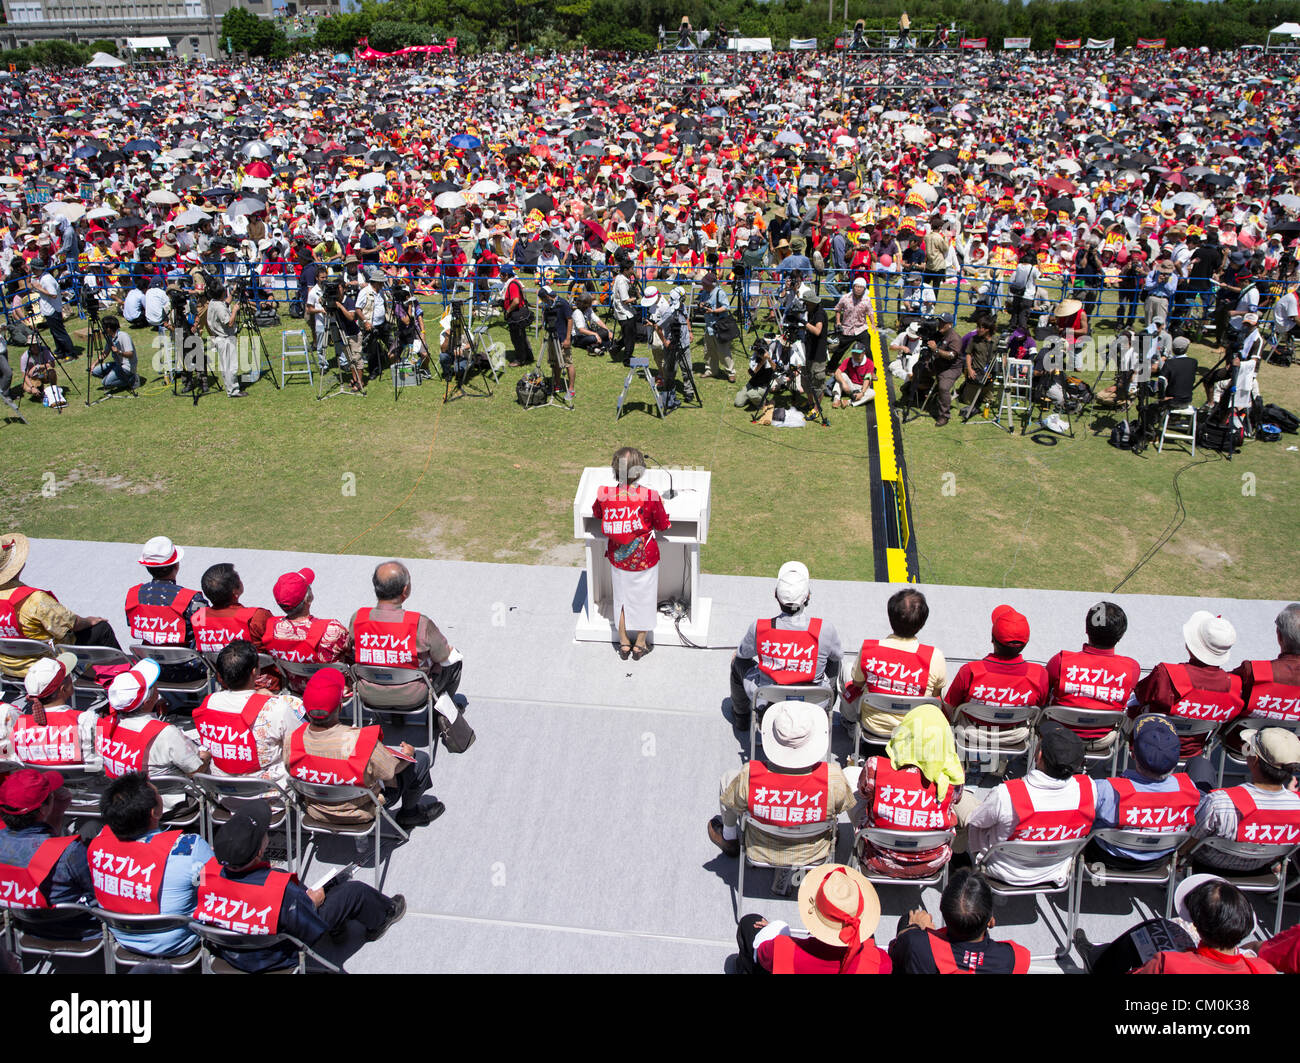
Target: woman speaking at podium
column 629, row 517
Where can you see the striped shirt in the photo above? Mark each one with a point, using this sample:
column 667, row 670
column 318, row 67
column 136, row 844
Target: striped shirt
column 1217, row 817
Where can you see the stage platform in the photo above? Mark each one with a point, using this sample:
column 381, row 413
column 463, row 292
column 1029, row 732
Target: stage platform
column 574, row 837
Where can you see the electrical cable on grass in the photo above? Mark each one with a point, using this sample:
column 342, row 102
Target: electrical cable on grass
column 1171, row 529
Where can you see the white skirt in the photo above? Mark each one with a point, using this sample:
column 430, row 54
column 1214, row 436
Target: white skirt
column 636, row 595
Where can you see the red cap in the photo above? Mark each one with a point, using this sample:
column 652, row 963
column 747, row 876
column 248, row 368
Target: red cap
column 291, row 588
column 323, row 693
column 1009, row 626
column 25, row 790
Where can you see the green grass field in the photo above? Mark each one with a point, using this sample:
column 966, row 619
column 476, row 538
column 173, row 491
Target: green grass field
column 483, row 480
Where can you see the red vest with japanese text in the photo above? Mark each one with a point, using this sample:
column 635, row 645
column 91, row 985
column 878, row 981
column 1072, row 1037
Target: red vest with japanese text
column 902, row 800
column 158, row 625
column 9, row 627
column 1263, row 826
column 1096, row 681
column 1269, row 698
column 1197, row 704
column 1051, row 825
column 242, row 907
column 1161, row 813
column 997, row 688
column 332, row 771
column 20, row 887
column 889, row 670
column 622, row 513
column 785, row 949
column 301, row 650
column 212, row 634
column 55, row 743
column 1202, row 961
column 125, row 750
column 128, row 876
column 788, row 800
column 788, row 656
column 941, row 949
column 386, row 642
column 230, row 735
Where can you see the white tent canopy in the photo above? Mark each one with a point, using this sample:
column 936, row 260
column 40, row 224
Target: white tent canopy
column 1284, row 38
column 144, row 43
column 103, row 59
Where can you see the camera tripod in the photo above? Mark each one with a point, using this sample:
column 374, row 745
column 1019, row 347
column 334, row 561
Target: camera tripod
column 246, row 327
column 343, row 370
column 36, row 343
column 96, row 351
column 460, row 382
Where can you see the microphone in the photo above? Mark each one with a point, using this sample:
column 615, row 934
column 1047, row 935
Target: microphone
column 670, row 493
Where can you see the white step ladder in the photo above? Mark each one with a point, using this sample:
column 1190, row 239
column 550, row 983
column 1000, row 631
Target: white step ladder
column 295, row 356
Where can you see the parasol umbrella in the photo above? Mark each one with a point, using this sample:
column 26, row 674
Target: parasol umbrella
column 486, row 188
column 789, row 136
column 257, row 169
column 130, row 221
column 1218, row 180
column 464, row 140
column 641, row 174
column 248, row 205
column 449, row 201
column 314, row 158
column 350, row 185
column 1285, row 227
column 1287, row 201
column 372, row 180
column 627, row 208
column 384, row 156
column 938, row 158
column 192, row 216
column 162, row 196
column 87, row 152
column 539, row 201
column 255, row 149
column 71, row 211
column 1060, row 184
column 135, row 145
column 99, row 213
column 1061, row 203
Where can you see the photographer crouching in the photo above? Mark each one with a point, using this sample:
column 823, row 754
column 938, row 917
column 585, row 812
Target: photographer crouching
column 940, row 361
column 775, row 362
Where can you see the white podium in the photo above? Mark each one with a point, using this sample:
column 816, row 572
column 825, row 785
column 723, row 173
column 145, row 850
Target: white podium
column 679, row 554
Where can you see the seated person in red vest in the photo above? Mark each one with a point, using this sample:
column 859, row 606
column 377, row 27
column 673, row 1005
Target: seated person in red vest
column 1199, row 689
column 1051, row 803
column 160, row 612
column 796, row 788
column 130, row 737
column 40, row 867
column 896, row 664
column 963, row 946
column 139, row 869
column 915, row 786
column 47, row 731
column 245, row 729
column 1001, row 678
column 241, row 892
column 299, row 636
column 325, row 751
column 1147, row 797
column 1223, row 919
column 218, row 624
column 839, row 909
column 792, row 647
column 28, row 613
column 1283, row 951
column 387, row 634
column 1096, row 677
column 1264, row 810
column 1270, row 689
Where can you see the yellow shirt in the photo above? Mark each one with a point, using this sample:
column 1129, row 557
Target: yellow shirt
column 40, row 616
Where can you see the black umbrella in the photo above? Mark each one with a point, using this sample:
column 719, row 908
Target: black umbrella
column 186, row 180
column 940, row 158
column 1218, row 180
column 540, row 201
column 129, row 221
column 627, row 208
column 641, row 174
column 220, row 192
column 1061, row 203
column 314, row 158
column 689, row 137
column 1285, row 227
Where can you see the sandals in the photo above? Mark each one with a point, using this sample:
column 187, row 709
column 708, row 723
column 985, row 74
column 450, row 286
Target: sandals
column 625, row 651
column 639, row 651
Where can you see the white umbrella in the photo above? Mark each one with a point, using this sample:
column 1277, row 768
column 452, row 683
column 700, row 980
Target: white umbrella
column 998, row 158
column 373, row 179
column 350, row 185
column 915, row 134
column 245, row 206
column 254, row 182
column 843, row 141
column 100, row 212
column 1069, row 165
column 192, row 216
column 1287, row 201
column 71, row 211
column 449, row 201
column 486, row 188
column 927, row 192
column 162, row 196
column 895, row 116
column 789, row 136
column 255, row 149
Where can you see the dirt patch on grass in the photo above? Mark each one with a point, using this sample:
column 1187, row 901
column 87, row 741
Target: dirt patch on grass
column 1207, row 555
column 109, row 483
column 443, row 535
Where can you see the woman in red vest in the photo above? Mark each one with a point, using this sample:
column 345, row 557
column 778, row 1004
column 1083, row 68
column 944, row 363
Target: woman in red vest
column 629, row 516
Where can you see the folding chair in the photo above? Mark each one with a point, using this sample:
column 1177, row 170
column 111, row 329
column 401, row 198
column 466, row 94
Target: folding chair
column 86, row 691
column 1187, row 415
column 988, row 721
column 87, row 784
column 296, row 355
column 117, row 954
column 1162, row 871
column 805, row 832
column 1271, row 880
column 388, row 677
column 220, row 796
column 770, row 694
column 216, row 937
column 320, row 793
column 1245, row 722
column 904, row 841
column 896, row 705
column 1079, row 719
column 172, row 656
column 21, row 648
column 29, row 931
column 1040, row 852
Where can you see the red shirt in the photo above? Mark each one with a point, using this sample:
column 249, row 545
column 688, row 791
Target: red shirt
column 1205, row 961
column 1013, row 667
column 816, row 957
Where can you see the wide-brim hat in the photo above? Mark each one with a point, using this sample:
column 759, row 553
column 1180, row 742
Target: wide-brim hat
column 795, row 734
column 845, row 888
column 1067, row 308
column 13, row 555
column 1210, row 638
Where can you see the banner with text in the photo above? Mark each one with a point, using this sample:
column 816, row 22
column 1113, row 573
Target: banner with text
column 803, row 44
column 1068, row 45
column 1151, row 42
column 975, row 42
column 1099, row 45
column 1016, row 42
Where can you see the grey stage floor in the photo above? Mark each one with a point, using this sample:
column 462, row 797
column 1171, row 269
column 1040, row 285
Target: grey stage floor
column 574, row 837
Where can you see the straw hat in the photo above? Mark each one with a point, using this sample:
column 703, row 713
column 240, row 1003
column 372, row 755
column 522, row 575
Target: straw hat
column 1067, row 308
column 13, row 555
column 836, row 888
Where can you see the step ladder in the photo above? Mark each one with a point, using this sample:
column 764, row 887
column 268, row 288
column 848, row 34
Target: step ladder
column 295, row 356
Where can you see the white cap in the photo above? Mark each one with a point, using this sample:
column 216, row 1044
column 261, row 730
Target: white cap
column 859, row 282
column 46, row 675
column 160, row 552
column 792, row 583
column 806, row 293
column 651, row 296
column 129, row 690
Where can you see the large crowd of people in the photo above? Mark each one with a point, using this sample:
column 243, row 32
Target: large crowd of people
column 1084, row 187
